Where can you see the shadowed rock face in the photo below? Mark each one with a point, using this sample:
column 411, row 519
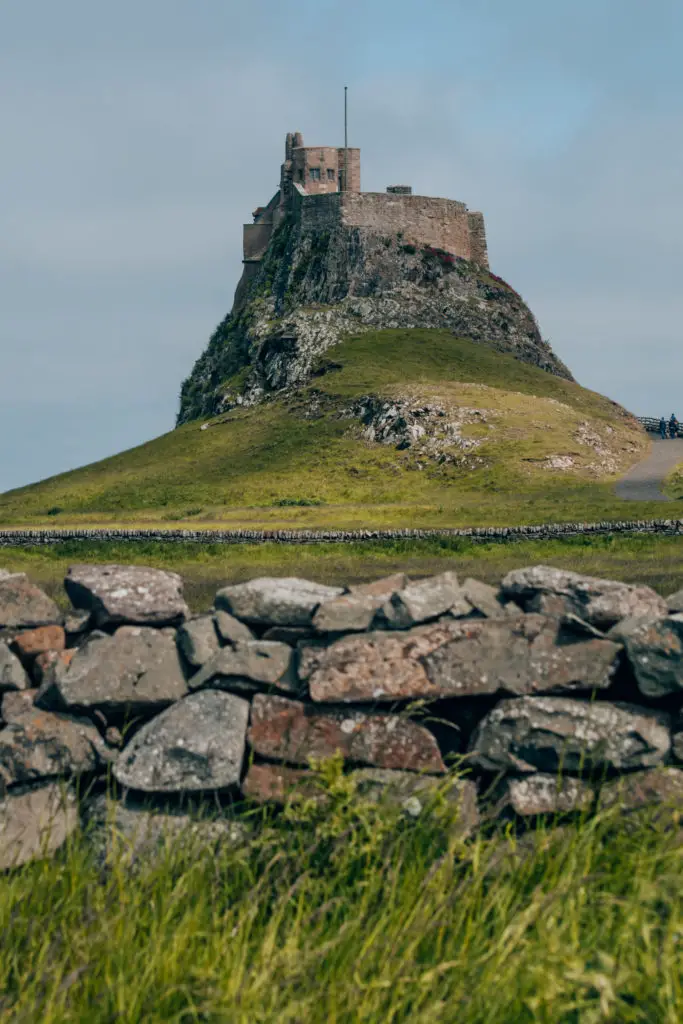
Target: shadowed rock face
column 364, row 281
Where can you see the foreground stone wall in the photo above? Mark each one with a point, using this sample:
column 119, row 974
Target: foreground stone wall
column 484, row 534
column 556, row 693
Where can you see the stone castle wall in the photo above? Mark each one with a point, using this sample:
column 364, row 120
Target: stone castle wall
column 556, row 694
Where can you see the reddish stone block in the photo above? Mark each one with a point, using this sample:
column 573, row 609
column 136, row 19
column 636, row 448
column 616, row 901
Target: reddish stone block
column 291, row 731
column 38, row 641
column 273, row 783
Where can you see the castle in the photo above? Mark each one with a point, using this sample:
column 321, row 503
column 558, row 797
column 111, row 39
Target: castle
column 320, row 185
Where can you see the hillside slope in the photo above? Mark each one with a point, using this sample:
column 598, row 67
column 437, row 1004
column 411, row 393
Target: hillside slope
column 400, row 427
column 315, row 287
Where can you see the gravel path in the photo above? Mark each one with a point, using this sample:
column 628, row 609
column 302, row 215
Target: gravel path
column 643, row 482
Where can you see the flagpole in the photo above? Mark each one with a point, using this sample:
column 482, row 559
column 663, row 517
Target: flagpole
column 346, row 144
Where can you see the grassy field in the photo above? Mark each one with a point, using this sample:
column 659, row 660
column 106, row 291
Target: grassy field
column 657, row 561
column 350, row 916
column 281, row 465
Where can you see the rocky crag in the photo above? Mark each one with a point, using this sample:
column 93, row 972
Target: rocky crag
column 553, row 693
column 317, row 284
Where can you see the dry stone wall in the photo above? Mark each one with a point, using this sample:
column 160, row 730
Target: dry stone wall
column 553, row 693
column 484, row 534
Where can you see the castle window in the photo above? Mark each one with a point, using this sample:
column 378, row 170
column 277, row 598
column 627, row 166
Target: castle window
column 315, row 173
column 330, row 173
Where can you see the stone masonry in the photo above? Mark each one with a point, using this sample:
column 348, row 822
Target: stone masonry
column 550, row 694
column 312, row 188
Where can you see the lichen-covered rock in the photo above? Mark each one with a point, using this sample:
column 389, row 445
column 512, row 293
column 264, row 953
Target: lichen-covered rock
column 450, row 658
column 543, row 793
column 275, row 601
column 674, row 602
column 414, row 793
column 49, row 664
column 32, row 642
column 12, row 674
column 197, row 639
column 76, row 622
column 654, row 648
column 544, row 734
column 39, row 744
column 484, row 598
column 600, row 602
column 639, row 790
column 25, row 606
column 131, row 833
column 249, row 666
column 290, row 731
column 348, row 613
column 35, row 822
column 278, row 783
column 677, row 738
column 230, row 629
column 426, row 599
column 136, row 670
column 384, row 587
column 193, row 746
column 127, row 594
column 15, row 704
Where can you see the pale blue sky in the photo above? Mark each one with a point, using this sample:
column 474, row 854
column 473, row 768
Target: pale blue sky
column 138, row 136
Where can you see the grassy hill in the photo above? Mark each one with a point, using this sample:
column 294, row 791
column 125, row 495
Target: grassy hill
column 546, row 449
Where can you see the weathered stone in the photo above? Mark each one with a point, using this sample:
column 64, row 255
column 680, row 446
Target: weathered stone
column 348, row 613
column 639, row 790
column 195, row 745
column 131, row 594
column 291, row 635
column 137, row 669
column 677, row 738
column 674, row 602
column 15, row 705
column 600, row 602
column 543, row 793
column 275, row 601
column 291, row 731
column 655, row 650
column 413, row 793
column 35, row 823
column 426, row 599
column 38, row 641
column 48, row 665
column 384, row 587
column 276, row 783
column 542, row 734
column 449, row 659
column 24, row 605
column 197, row 639
column 231, row 630
column 12, row 675
column 39, row 744
column 484, row 598
column 130, row 833
column 76, row 621
column 262, row 662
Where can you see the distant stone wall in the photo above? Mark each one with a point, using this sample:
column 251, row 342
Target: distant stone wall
column 586, row 718
column 483, row 534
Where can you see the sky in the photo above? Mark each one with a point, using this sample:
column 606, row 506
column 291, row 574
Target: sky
column 137, row 137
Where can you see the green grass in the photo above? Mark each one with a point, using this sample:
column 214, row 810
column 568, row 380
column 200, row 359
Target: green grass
column 273, row 466
column 656, row 561
column 348, row 915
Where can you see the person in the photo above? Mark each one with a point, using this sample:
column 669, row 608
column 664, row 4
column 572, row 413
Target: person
column 662, row 428
column 673, row 426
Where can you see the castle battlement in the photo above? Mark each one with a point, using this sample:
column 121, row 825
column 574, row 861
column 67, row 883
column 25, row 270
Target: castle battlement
column 312, row 186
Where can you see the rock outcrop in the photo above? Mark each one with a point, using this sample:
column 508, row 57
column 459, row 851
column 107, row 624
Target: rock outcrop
column 318, row 284
column 537, row 710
